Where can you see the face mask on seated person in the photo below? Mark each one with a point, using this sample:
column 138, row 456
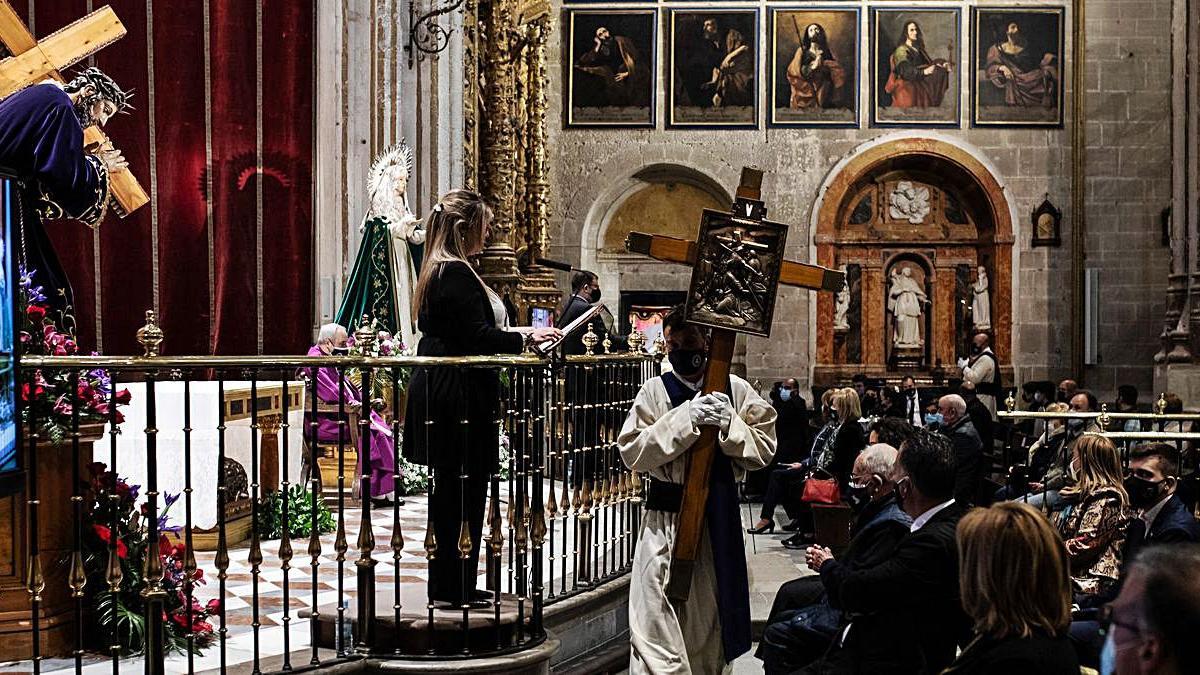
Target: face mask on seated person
column 595, row 295
column 785, row 394
column 687, row 362
column 858, row 496
column 1143, row 493
column 1075, row 425
column 933, row 418
column 340, row 351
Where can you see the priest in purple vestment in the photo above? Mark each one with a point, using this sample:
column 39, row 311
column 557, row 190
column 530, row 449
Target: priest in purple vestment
column 41, row 148
column 332, row 340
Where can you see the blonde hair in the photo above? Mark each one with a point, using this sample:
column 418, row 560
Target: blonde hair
column 453, row 227
column 1013, row 575
column 845, row 403
column 1099, row 468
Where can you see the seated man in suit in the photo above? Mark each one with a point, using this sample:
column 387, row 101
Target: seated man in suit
column 1156, row 618
column 803, row 620
column 904, row 613
column 1163, row 518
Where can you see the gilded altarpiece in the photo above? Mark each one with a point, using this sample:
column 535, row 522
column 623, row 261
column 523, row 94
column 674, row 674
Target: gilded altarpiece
column 504, row 100
column 910, row 224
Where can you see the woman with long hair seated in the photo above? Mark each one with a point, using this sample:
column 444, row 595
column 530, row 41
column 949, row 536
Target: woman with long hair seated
column 1094, row 516
column 458, row 315
column 1014, row 584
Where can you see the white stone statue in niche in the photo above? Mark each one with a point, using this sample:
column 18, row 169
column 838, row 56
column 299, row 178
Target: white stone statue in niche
column 909, row 202
column 981, row 307
column 906, row 302
column 842, row 306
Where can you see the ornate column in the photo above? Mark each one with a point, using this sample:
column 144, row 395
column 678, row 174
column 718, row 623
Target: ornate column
column 537, row 286
column 498, row 262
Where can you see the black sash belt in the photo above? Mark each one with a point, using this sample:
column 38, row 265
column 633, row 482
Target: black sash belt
column 663, row 496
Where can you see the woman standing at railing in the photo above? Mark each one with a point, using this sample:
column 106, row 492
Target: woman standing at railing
column 1095, row 516
column 458, row 315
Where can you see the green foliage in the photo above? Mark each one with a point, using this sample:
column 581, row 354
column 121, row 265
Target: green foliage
column 300, row 515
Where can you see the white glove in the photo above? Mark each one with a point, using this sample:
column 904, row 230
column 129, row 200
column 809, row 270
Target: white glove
column 716, row 410
column 962, row 363
column 698, row 411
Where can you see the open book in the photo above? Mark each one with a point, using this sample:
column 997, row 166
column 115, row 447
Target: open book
column 576, row 326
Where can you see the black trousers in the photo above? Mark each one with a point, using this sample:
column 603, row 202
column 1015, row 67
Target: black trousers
column 784, row 487
column 453, row 500
column 782, row 648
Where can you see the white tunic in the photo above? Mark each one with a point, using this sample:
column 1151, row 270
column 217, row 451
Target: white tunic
column 667, row 637
column 981, row 370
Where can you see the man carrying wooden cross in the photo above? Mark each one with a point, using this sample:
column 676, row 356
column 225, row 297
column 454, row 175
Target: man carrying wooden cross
column 41, row 146
column 711, row 629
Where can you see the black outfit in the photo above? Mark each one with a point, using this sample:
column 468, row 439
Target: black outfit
column 1039, row 654
column 456, row 320
column 790, row 640
column 791, row 433
column 850, row 441
column 968, row 459
column 905, row 614
column 701, row 58
column 585, row 386
column 984, row 426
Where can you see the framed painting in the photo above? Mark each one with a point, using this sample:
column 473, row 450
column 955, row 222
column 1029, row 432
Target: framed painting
column 736, row 273
column 610, row 67
column 916, row 69
column 713, row 77
column 1017, row 66
column 814, row 67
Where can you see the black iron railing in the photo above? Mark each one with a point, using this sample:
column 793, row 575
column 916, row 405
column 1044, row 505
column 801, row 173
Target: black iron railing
column 561, row 513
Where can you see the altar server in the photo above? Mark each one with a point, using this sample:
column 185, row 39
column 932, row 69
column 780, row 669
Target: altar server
column 712, row 628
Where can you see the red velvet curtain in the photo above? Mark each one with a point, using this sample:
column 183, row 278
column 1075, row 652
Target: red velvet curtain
column 239, row 280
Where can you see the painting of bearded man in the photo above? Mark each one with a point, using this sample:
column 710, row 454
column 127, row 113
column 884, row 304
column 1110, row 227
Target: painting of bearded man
column 815, row 67
column 609, row 68
column 1018, row 67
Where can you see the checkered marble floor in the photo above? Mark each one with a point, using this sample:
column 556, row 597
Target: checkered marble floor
column 277, row 622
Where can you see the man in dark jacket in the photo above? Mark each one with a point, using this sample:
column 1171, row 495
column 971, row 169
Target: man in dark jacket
column 803, row 620
column 968, row 450
column 905, row 614
column 981, row 419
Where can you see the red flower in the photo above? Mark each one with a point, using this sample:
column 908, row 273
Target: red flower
column 164, row 545
column 35, row 313
column 105, row 534
column 213, row 607
column 122, row 489
column 198, row 577
column 33, row 391
column 123, row 397
column 202, row 627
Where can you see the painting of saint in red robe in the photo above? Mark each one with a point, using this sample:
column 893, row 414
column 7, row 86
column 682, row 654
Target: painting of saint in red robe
column 1018, row 67
column 917, row 67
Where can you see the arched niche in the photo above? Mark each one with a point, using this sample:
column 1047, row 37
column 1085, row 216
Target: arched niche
column 924, row 200
column 667, row 199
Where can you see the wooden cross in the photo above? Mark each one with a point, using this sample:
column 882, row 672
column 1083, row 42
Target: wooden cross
column 32, row 61
column 750, row 211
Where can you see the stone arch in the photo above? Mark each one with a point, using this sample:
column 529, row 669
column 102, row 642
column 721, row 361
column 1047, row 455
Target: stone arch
column 966, row 177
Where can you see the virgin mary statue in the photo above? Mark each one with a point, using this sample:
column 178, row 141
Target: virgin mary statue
column 385, row 271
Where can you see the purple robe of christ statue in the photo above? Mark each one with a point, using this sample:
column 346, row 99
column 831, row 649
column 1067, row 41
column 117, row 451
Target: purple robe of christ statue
column 41, row 147
column 383, row 449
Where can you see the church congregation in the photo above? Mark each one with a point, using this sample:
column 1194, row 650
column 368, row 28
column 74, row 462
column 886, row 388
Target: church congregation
column 576, row 337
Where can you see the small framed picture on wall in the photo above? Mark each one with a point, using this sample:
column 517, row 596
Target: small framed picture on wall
column 609, row 58
column 916, row 67
column 1016, row 77
column 814, row 67
column 713, row 76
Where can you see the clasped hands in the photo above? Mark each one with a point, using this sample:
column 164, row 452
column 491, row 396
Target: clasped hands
column 815, row 556
column 713, row 409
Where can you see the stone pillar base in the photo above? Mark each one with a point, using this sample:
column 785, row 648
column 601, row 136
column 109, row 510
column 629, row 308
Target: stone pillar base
column 1180, row 378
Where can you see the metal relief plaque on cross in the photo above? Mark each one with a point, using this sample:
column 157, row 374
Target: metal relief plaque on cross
column 736, row 275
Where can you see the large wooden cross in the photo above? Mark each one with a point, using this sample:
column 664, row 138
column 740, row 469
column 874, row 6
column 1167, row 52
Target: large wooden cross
column 31, row 62
column 730, row 295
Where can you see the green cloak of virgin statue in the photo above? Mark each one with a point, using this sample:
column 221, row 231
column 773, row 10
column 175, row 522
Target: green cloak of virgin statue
column 389, row 256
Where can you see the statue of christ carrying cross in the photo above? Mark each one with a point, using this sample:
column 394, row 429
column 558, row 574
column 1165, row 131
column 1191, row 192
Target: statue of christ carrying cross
column 42, row 148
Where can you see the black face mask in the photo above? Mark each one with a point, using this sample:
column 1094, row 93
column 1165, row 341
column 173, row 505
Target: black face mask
column 1143, row 493
column 595, row 295
column 686, row 362
column 900, row 495
column 858, row 497
column 340, row 351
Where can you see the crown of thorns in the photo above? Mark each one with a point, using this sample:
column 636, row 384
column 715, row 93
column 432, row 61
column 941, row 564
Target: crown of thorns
column 106, row 88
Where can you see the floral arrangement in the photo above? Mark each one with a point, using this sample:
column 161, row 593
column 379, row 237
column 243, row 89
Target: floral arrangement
column 300, row 514
column 121, row 615
column 47, row 398
column 385, row 344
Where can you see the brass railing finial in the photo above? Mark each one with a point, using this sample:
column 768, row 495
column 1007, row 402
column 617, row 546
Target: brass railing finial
column 637, row 340
column 1010, row 403
column 590, row 340
column 150, row 336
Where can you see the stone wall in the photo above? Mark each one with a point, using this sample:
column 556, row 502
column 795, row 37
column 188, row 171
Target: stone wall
column 1128, row 172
